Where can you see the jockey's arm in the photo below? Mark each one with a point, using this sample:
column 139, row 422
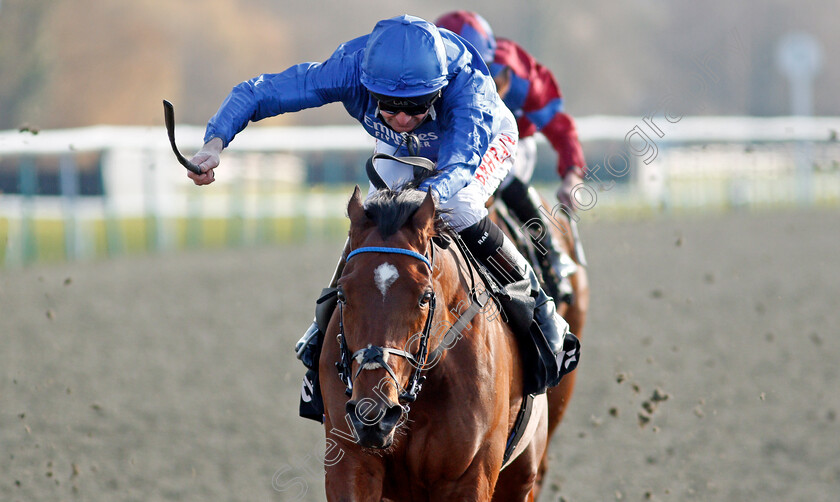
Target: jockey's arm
column 301, row 86
column 561, row 133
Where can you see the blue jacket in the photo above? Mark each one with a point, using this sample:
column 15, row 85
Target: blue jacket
column 467, row 116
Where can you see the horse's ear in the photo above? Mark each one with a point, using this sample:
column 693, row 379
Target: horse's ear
column 424, row 218
column 355, row 209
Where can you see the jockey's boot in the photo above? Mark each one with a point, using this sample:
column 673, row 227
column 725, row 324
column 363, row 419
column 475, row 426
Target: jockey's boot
column 556, row 266
column 530, row 312
column 308, row 348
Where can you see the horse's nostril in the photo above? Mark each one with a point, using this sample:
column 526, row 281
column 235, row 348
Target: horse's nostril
column 366, row 411
column 372, row 413
column 350, row 408
column 392, row 415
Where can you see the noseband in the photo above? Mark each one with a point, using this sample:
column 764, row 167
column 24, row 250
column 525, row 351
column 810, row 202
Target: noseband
column 374, row 357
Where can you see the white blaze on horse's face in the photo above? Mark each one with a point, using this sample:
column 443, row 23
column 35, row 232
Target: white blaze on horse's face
column 385, row 275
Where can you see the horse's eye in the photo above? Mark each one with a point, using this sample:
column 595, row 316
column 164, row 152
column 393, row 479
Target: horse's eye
column 426, row 298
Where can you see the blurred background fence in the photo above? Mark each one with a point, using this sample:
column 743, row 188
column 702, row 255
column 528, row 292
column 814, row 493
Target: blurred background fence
column 87, row 193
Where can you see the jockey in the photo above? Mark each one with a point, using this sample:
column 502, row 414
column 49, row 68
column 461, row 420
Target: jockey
column 417, row 91
column 531, row 92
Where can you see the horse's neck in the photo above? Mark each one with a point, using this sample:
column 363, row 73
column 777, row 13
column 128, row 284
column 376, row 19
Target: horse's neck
column 452, row 267
column 466, row 353
column 454, row 282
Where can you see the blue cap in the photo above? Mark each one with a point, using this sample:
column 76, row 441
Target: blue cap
column 404, row 57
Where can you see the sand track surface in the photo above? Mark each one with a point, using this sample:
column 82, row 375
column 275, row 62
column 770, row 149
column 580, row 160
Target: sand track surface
column 709, row 370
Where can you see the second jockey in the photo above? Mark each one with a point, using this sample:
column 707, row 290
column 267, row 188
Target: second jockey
column 530, row 90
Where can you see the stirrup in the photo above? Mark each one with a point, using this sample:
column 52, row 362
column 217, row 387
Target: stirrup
column 564, row 264
column 307, row 346
column 563, row 267
column 566, row 291
column 307, row 349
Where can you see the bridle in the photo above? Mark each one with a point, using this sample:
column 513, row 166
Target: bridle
column 373, row 357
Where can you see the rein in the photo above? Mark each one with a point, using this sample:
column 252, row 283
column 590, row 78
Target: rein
column 373, row 357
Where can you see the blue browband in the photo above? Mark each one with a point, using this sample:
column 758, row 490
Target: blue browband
column 376, row 249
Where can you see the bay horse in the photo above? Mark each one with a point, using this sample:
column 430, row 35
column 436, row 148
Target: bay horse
column 398, row 284
column 560, row 227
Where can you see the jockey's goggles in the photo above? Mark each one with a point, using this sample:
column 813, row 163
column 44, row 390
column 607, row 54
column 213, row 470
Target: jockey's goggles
column 415, row 105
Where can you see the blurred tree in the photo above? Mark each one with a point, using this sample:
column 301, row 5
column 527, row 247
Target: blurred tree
column 67, row 63
column 85, row 62
column 23, row 65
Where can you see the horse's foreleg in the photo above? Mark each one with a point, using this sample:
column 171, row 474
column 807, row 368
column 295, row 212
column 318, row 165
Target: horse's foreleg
column 475, row 485
column 517, row 481
column 471, row 490
column 352, row 480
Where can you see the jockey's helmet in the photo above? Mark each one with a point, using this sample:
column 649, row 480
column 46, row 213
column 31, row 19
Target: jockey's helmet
column 473, row 28
column 404, row 58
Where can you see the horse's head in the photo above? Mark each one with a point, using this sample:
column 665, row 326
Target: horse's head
column 386, row 298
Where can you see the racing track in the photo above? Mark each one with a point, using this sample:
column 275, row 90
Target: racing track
column 171, row 377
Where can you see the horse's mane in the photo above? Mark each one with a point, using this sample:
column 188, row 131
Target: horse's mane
column 391, row 209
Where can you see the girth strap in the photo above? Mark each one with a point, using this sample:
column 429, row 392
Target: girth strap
column 518, row 427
